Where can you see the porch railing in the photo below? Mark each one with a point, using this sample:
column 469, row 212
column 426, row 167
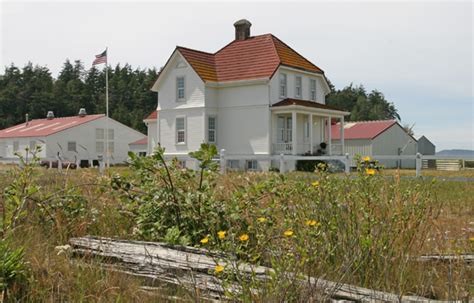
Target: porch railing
column 336, row 149
column 286, row 148
column 283, row 148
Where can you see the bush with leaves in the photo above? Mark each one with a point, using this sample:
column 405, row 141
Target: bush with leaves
column 170, row 202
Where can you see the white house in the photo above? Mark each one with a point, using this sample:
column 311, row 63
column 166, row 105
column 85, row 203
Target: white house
column 79, row 139
column 255, row 96
column 381, row 138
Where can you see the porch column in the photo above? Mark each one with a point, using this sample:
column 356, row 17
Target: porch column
column 310, row 121
column 293, row 132
column 329, row 136
column 342, row 135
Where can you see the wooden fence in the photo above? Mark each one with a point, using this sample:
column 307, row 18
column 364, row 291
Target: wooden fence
column 283, row 159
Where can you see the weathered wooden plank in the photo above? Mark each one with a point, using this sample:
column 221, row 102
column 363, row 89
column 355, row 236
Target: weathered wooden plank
column 193, row 268
column 464, row 258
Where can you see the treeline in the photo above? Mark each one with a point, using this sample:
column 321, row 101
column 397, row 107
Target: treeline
column 362, row 105
column 32, row 90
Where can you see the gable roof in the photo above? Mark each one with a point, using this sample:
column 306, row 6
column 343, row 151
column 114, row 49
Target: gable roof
column 361, row 129
column 46, row 127
column 253, row 58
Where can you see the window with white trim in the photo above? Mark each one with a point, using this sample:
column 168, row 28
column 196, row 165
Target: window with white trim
column 111, row 149
column 251, row 165
column 298, row 87
column 312, row 89
column 180, row 87
column 71, row 146
column 180, row 130
column 233, row 164
column 99, row 147
column 283, row 86
column 211, row 129
column 99, row 134
column 111, row 134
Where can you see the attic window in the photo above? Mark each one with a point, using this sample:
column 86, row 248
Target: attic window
column 180, row 86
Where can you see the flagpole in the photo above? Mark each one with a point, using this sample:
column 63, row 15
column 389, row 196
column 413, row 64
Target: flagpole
column 107, row 108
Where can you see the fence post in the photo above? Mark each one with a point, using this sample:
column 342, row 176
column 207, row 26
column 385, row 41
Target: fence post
column 418, row 164
column 222, row 161
column 282, row 163
column 347, row 167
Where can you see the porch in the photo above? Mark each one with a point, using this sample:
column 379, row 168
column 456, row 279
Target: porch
column 301, row 127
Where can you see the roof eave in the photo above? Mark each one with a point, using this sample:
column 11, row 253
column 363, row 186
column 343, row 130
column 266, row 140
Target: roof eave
column 308, row 108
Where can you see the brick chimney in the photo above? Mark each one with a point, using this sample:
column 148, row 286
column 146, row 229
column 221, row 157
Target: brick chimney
column 242, row 29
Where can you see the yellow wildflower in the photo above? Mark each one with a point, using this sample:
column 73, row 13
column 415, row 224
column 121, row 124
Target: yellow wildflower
column 218, row 269
column 366, row 159
column 244, row 237
column 204, row 240
column 370, row 171
column 221, row 234
column 471, row 239
column 262, row 220
column 311, row 222
column 315, row 183
column 288, row 233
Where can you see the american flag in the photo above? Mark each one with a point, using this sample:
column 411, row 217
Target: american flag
column 101, row 58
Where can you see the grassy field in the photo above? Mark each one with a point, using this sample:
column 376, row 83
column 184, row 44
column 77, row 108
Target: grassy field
column 403, row 218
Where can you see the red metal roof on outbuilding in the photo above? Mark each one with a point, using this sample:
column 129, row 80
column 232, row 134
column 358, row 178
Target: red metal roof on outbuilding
column 45, row 127
column 361, row 129
column 142, row 141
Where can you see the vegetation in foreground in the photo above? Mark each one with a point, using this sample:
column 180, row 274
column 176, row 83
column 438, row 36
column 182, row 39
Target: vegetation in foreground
column 364, row 231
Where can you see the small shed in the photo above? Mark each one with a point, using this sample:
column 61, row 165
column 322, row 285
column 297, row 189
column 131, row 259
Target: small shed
column 381, row 138
column 139, row 147
column 80, row 139
column 425, row 146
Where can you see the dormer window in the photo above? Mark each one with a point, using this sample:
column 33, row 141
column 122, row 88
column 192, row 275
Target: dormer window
column 298, row 87
column 283, row 86
column 312, row 89
column 180, row 86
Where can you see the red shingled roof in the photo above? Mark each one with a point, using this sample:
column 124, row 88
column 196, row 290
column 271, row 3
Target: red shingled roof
column 142, row 141
column 362, row 129
column 253, row 58
column 152, row 116
column 45, row 127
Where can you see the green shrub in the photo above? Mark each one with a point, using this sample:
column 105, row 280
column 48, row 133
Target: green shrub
column 13, row 269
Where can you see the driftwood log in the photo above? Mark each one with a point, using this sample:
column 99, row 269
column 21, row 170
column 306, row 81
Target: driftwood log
column 193, row 269
column 464, row 258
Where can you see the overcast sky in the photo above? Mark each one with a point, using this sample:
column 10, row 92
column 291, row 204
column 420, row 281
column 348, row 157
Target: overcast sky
column 419, row 54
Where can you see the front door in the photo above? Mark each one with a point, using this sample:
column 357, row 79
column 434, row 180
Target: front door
column 284, row 129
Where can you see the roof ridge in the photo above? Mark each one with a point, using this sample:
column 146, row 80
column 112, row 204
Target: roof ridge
column 372, row 121
column 37, row 119
column 194, row 50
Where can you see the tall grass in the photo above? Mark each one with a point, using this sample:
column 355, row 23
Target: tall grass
column 364, row 231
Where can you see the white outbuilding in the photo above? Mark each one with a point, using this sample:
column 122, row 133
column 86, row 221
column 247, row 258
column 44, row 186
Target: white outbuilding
column 80, row 139
column 381, row 138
